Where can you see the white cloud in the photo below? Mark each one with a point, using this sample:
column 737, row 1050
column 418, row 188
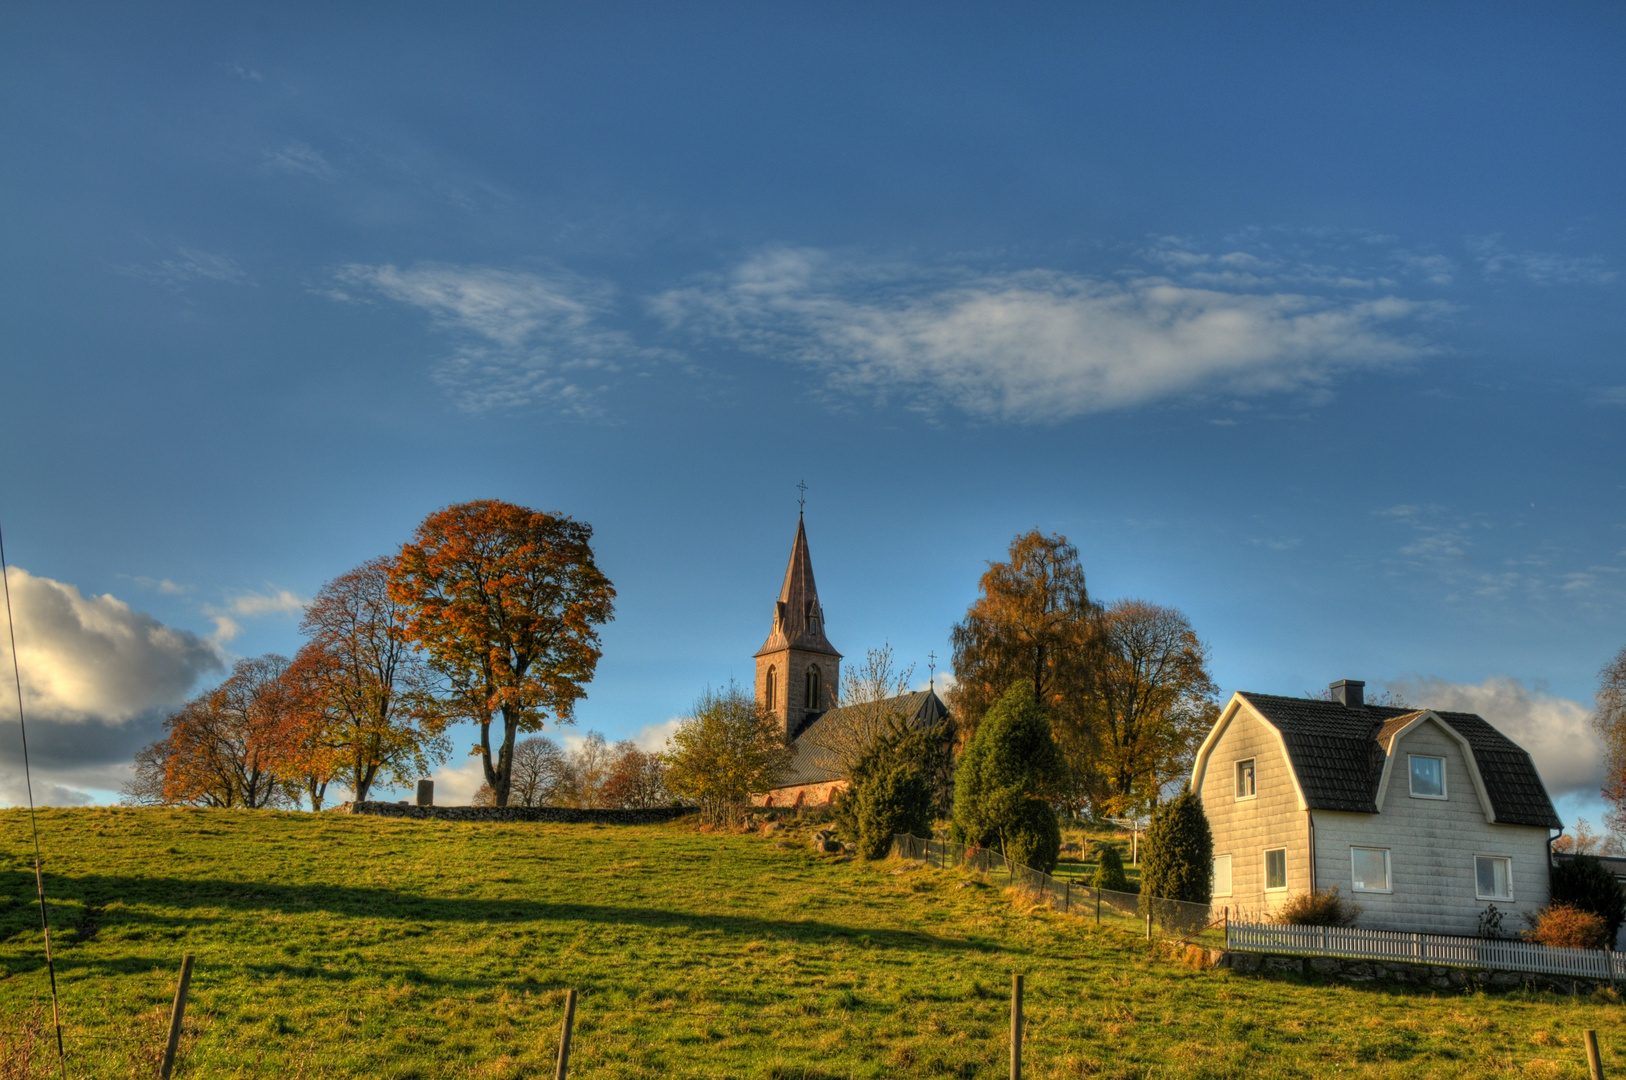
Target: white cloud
column 1039, row 346
column 301, row 159
column 1611, row 395
column 528, row 337
column 1556, row 731
column 455, row 785
column 254, row 605
column 1538, row 267
column 85, row 658
column 161, row 585
column 652, row 737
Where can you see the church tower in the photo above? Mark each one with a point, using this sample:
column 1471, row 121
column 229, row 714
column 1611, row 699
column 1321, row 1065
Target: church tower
column 798, row 670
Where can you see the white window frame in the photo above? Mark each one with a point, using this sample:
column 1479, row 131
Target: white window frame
column 1508, row 860
column 1236, row 778
column 1264, row 860
column 1230, row 874
column 1388, row 871
column 1445, row 791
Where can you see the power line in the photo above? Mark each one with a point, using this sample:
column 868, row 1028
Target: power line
column 28, row 780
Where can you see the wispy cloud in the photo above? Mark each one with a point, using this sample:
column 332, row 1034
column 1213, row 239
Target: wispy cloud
column 251, row 605
column 1040, row 345
column 301, row 159
column 1610, row 395
column 159, row 585
column 526, row 337
column 190, row 265
column 1538, row 267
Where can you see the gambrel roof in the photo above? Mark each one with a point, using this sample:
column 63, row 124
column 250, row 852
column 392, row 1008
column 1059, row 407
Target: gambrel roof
column 1339, row 753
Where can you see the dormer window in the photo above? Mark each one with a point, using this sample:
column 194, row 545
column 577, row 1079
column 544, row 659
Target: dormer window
column 1246, row 785
column 1427, row 777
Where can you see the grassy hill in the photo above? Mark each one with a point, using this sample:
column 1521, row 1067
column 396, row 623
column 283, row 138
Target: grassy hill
column 357, row 947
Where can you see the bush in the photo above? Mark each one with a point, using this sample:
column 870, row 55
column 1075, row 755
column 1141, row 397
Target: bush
column 1584, row 882
column 890, row 801
column 1323, row 907
column 1034, row 838
column 1566, row 927
column 1109, row 871
column 1178, row 859
column 1010, row 764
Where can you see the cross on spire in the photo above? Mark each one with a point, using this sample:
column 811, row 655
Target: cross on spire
column 931, row 668
column 801, row 502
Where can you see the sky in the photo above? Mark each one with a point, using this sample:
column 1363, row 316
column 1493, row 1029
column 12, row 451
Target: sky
column 1304, row 319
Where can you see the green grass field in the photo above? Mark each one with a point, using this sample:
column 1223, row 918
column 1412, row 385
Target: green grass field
column 359, row 947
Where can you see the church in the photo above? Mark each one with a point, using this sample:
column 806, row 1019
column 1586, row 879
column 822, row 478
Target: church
column 798, row 680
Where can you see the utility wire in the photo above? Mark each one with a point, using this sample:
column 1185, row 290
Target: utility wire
column 39, row 875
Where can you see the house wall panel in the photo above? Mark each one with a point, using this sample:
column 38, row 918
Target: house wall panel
column 1245, row 829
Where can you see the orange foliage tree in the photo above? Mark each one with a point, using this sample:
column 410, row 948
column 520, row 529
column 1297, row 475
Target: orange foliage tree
column 506, row 601
column 1034, row 622
column 227, row 747
column 361, row 690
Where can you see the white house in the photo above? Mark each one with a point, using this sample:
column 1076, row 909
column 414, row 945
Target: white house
column 1423, row 818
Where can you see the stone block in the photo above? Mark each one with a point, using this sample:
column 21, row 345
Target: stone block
column 1245, row 962
column 1326, row 965
column 1284, row 963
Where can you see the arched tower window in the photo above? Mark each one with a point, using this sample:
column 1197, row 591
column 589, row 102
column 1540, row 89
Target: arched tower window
column 772, row 686
column 815, row 690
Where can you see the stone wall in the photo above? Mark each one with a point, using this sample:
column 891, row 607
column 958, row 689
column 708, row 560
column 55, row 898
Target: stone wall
column 1425, row 976
column 563, row 815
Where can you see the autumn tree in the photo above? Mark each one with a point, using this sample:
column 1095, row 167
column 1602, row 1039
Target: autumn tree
column 590, row 762
column 1033, row 621
column 224, row 747
column 1153, row 702
column 542, row 774
column 506, row 601
column 728, row 747
column 1610, row 721
column 637, row 778
column 362, row 687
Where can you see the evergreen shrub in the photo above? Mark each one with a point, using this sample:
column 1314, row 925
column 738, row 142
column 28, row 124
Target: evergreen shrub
column 1010, row 763
column 1177, row 857
column 1109, row 871
column 1584, row 882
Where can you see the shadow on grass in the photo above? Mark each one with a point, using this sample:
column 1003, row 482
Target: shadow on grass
column 420, row 913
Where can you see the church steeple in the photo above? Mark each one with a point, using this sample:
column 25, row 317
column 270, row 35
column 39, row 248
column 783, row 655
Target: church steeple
column 797, row 667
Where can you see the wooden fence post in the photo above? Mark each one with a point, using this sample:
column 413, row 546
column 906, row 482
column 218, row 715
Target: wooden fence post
column 176, row 1015
column 1593, row 1060
column 1016, row 1027
column 1148, row 924
column 564, row 1036
column 1098, row 905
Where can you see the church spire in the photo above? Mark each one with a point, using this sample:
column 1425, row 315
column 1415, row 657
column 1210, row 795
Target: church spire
column 798, row 618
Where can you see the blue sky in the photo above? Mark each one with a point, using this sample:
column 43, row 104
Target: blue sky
column 1306, row 320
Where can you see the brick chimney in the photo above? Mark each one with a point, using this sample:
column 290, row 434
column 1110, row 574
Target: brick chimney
column 1349, row 693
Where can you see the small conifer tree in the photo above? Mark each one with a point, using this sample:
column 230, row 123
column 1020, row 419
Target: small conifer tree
column 1109, row 871
column 1010, row 763
column 1584, row 882
column 1178, row 863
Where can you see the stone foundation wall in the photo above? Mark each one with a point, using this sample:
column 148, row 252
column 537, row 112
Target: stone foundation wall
column 562, row 815
column 1430, row 976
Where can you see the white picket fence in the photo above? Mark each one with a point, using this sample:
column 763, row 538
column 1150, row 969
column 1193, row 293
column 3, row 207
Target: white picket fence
column 1444, row 950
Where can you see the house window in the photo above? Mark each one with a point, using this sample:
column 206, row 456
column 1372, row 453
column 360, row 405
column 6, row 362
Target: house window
column 814, row 688
column 1427, row 777
column 1276, row 869
column 1222, row 875
column 1246, row 787
column 1493, row 877
column 1369, row 869
column 772, row 686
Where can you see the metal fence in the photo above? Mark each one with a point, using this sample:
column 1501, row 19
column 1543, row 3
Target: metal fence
column 1148, row 915
column 1444, row 950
